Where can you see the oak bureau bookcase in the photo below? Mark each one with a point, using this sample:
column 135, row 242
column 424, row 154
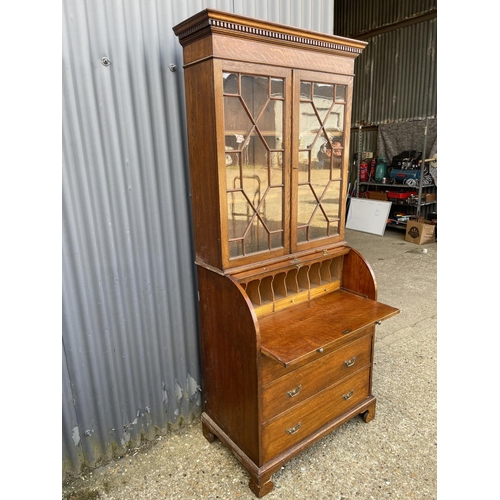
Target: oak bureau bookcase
column 287, row 309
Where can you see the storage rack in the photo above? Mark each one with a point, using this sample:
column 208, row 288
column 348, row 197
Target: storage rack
column 426, row 196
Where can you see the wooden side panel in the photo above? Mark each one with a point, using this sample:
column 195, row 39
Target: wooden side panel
column 229, row 360
column 200, row 110
column 198, row 50
column 357, row 275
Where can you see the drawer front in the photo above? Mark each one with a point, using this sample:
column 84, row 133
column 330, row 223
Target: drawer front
column 296, row 424
column 271, row 370
column 292, row 300
column 291, row 389
column 325, row 288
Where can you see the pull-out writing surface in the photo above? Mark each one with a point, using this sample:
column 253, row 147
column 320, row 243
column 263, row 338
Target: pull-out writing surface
column 291, row 336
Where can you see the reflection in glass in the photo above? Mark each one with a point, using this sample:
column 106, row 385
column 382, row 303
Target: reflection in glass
column 340, row 92
column 321, row 153
column 253, row 120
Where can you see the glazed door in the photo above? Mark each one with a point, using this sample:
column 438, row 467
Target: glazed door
column 320, row 147
column 255, row 174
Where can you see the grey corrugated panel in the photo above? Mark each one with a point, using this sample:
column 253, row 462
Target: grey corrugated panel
column 129, row 324
column 396, row 76
column 131, row 366
column 315, row 15
column 353, row 17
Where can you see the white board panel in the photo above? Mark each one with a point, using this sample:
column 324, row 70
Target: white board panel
column 368, row 216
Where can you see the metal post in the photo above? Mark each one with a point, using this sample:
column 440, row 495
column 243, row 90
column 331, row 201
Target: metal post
column 422, row 168
column 358, row 162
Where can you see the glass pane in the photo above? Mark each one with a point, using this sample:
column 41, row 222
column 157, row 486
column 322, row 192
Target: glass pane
column 277, row 240
column 254, row 131
column 308, row 130
column 271, row 210
column 305, row 90
column 334, row 120
column 255, row 157
column 277, row 91
column 307, row 204
column 301, row 234
column 230, row 83
column 320, row 177
column 320, row 161
column 235, row 248
column 237, row 123
column 256, row 240
column 340, row 93
column 323, row 99
column 304, row 174
column 318, row 227
column 240, row 212
column 255, row 93
column 270, row 125
column 330, row 201
column 276, row 169
column 322, row 152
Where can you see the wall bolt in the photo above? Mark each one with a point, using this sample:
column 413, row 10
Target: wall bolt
column 172, row 67
column 148, row 409
column 88, row 433
column 105, row 61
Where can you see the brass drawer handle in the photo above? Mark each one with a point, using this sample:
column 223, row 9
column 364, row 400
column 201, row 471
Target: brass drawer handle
column 293, row 393
column 350, row 362
column 348, row 395
column 293, row 430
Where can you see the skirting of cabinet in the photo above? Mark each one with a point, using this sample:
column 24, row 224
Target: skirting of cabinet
column 260, row 477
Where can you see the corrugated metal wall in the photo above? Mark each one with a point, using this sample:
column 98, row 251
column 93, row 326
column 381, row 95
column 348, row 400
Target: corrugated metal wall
column 396, row 77
column 130, row 354
column 396, row 74
column 356, row 18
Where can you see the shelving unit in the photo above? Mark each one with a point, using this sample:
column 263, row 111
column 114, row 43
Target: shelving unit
column 421, row 202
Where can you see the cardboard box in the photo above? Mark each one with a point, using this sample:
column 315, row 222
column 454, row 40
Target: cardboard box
column 420, row 232
column 427, row 197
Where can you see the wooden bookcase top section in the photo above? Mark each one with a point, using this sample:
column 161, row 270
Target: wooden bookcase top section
column 210, row 21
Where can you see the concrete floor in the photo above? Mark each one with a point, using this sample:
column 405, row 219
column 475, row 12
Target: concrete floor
column 394, row 456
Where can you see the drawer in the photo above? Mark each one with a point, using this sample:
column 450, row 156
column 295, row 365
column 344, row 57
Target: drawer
column 271, row 370
column 325, row 288
column 291, row 300
column 300, row 384
column 303, row 419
